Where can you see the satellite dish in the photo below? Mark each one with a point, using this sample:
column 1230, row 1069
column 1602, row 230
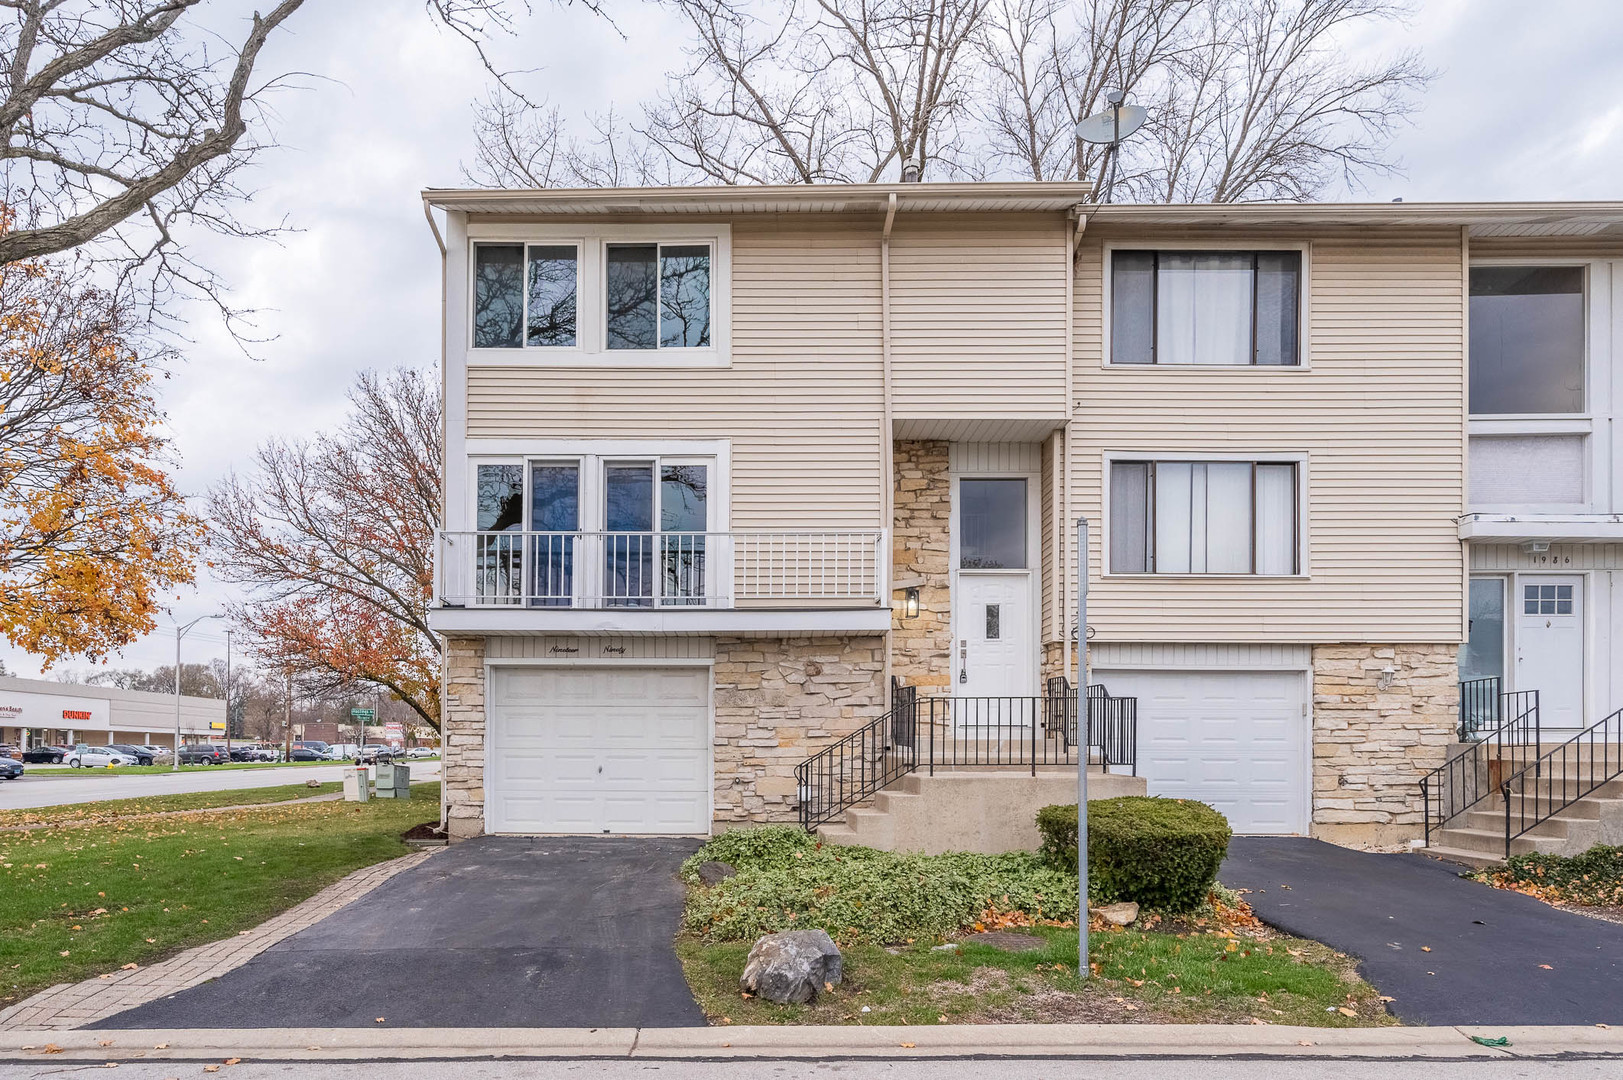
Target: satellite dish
column 1112, row 125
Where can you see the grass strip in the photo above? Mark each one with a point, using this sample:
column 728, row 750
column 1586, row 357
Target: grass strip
column 1141, row 977
column 112, row 809
column 79, row 901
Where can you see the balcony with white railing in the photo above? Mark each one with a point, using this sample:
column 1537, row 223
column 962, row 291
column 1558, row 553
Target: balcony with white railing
column 657, row 580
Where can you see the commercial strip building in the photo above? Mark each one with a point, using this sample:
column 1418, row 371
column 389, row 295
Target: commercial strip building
column 34, row 711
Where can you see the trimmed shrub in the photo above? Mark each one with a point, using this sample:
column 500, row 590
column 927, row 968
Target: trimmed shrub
column 858, row 894
column 1159, row 853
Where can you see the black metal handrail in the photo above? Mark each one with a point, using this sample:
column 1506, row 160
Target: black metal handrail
column 862, row 763
column 1480, row 769
column 1562, row 776
column 958, row 732
column 1480, row 706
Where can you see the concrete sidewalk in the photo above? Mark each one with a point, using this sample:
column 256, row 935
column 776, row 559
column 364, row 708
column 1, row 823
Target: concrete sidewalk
column 1103, row 1041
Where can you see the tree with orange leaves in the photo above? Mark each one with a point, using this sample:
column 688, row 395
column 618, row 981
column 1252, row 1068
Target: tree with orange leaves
column 92, row 530
column 331, row 537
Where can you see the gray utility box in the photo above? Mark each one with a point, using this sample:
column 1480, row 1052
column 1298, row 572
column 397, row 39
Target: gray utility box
column 355, row 786
column 394, row 781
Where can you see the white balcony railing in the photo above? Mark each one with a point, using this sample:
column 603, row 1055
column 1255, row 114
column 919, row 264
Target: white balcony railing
column 598, row 570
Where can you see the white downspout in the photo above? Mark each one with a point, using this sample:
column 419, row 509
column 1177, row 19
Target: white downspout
column 887, row 447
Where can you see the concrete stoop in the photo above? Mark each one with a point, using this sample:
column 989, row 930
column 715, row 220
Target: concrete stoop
column 1477, row 837
column 985, row 810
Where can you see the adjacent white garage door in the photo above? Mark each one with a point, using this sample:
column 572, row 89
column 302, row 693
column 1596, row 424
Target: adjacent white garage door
column 1235, row 739
column 595, row 750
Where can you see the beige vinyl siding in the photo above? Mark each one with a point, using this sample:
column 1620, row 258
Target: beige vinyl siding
column 1379, row 414
column 1576, row 248
column 802, row 401
column 978, row 320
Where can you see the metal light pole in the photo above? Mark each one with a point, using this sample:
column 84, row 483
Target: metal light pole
column 180, row 632
column 228, row 694
column 1082, row 748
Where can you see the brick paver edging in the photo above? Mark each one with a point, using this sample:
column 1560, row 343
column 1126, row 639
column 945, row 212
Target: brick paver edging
column 71, row 1005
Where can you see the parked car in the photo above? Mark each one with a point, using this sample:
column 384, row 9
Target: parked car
column 345, row 751
column 203, row 754
column 8, row 751
column 252, row 752
column 85, row 756
column 423, row 752
column 372, row 753
column 46, row 754
column 323, row 750
column 159, row 753
column 306, row 753
column 141, row 754
column 10, row 768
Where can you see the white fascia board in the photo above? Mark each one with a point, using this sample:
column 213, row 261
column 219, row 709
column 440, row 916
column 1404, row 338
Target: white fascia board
column 769, row 621
column 1554, row 528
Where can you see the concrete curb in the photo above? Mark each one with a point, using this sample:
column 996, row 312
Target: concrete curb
column 813, row 1043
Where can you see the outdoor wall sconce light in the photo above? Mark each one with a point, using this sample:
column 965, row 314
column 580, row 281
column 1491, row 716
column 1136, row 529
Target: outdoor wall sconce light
column 910, row 603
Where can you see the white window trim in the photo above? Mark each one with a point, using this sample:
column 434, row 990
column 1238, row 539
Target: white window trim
column 1297, row 458
column 590, row 349
column 1303, row 307
column 1542, row 423
column 592, row 455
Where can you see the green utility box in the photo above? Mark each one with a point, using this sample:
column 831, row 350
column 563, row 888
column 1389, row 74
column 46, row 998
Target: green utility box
column 394, row 781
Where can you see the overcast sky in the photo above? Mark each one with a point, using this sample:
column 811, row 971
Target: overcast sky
column 1528, row 104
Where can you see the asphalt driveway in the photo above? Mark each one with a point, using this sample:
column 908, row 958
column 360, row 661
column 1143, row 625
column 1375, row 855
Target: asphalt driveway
column 494, row 932
column 1448, row 950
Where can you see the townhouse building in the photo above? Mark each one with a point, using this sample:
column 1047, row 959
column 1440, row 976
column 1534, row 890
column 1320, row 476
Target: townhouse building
column 746, row 488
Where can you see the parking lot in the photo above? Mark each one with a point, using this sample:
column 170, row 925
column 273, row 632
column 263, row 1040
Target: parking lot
column 48, row 785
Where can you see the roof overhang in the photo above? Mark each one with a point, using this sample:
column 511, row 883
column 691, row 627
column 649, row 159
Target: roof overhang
column 1051, row 197
column 1542, row 528
column 1482, row 219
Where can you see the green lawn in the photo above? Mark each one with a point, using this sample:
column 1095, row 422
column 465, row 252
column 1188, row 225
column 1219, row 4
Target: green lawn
column 141, row 770
column 158, row 804
column 76, row 901
column 1140, row 977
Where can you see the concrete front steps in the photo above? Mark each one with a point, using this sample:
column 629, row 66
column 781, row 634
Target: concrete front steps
column 1477, row 837
column 987, row 810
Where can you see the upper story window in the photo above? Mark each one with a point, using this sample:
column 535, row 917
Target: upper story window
column 1204, row 517
column 601, row 295
column 524, row 295
column 1527, row 340
column 1206, row 308
column 658, row 296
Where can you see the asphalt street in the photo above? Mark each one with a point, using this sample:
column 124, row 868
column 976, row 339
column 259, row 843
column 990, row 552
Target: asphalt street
column 1447, row 949
column 38, row 788
column 757, row 1069
column 501, row 931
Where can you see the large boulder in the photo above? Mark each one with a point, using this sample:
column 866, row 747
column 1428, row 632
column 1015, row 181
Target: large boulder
column 792, row 966
column 714, row 873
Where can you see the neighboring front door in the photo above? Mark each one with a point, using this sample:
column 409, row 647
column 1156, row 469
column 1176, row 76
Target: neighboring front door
column 1550, row 646
column 994, row 654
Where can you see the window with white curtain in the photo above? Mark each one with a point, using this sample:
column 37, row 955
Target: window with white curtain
column 1203, row 517
column 1205, row 308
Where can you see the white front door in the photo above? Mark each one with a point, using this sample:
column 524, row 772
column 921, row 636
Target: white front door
column 995, row 656
column 1550, row 646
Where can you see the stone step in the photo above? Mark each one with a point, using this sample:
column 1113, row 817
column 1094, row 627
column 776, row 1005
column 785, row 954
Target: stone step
column 1558, row 825
column 1491, row 842
column 1476, row 860
column 838, row 834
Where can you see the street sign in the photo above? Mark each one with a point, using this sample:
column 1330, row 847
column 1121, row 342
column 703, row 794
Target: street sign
column 394, row 732
column 365, row 716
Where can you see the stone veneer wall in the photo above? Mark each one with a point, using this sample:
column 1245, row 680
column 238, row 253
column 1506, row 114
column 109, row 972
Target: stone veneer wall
column 1372, row 746
column 1057, row 660
column 921, row 647
column 463, row 744
column 778, row 701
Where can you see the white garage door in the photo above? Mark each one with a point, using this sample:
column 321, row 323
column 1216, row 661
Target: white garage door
column 1235, row 739
column 599, row 750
